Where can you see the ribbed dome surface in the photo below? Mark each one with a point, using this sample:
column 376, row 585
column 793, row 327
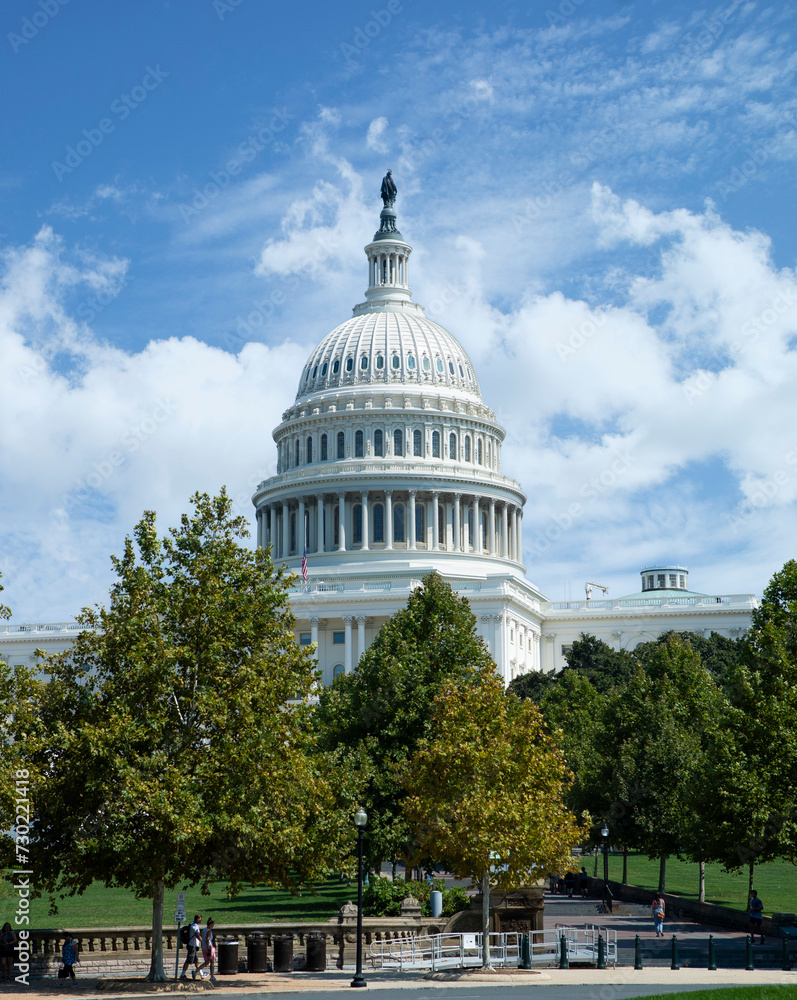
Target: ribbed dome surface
column 388, row 347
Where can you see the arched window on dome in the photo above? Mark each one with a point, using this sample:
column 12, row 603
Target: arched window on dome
column 480, row 453
column 440, row 365
column 349, row 364
column 309, row 450
column 323, row 447
column 396, row 362
column 452, row 447
column 296, row 452
column 427, row 365
column 379, row 444
column 435, row 444
column 379, row 522
column 398, row 522
column 338, row 671
column 315, row 371
column 417, row 444
column 324, row 370
column 358, row 444
column 293, row 533
column 441, row 525
column 357, row 534
column 364, row 362
column 336, row 366
column 341, row 445
column 411, row 362
column 451, row 367
column 380, row 362
column 420, row 535
column 398, row 442
column 467, row 447
column 461, row 372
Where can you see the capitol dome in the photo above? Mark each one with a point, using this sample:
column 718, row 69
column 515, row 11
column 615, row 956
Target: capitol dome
column 389, row 348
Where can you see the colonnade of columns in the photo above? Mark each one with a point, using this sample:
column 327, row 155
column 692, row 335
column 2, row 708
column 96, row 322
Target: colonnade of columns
column 387, row 519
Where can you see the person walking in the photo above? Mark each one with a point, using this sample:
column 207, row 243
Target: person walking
column 208, row 949
column 583, row 879
column 657, row 912
column 194, row 944
column 69, row 956
column 756, row 911
column 7, row 941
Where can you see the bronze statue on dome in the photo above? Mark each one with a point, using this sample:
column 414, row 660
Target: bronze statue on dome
column 389, row 190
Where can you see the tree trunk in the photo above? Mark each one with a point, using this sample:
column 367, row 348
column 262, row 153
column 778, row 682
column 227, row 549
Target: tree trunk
column 662, row 872
column 486, row 919
column 408, row 874
column 625, row 866
column 156, row 973
column 750, row 883
column 394, row 870
column 595, row 873
column 701, row 892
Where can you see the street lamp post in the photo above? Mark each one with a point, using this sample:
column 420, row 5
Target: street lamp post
column 605, row 835
column 360, row 819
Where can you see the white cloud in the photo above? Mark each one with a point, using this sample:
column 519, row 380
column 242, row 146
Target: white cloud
column 375, row 139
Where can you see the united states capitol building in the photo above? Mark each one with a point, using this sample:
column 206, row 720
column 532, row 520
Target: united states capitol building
column 389, row 467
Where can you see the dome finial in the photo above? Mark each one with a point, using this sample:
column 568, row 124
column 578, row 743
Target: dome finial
column 387, row 217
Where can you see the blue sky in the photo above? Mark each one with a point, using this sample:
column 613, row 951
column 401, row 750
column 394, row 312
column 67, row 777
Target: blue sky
column 601, row 200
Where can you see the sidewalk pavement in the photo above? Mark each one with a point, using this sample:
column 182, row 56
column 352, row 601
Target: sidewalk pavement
column 335, row 980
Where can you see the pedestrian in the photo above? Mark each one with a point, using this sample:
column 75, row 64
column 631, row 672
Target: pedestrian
column 69, row 956
column 657, row 912
column 7, row 941
column 583, row 879
column 194, row 944
column 570, row 881
column 208, row 949
column 756, row 911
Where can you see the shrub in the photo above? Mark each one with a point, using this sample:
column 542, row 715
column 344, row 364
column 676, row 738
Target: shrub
column 383, row 898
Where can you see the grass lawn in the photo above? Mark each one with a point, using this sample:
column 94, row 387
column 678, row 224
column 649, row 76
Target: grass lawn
column 101, row 907
column 776, row 881
column 736, row 993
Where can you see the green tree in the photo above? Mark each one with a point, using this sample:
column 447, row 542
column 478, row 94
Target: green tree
column 718, row 654
column 605, row 668
column 534, row 685
column 169, row 747
column 377, row 714
column 485, row 790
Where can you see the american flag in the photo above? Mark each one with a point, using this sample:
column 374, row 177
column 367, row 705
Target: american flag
column 304, row 565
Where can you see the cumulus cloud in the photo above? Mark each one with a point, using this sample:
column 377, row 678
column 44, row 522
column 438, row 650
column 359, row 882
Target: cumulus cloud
column 375, row 139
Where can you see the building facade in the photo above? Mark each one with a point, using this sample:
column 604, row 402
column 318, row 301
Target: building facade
column 389, row 467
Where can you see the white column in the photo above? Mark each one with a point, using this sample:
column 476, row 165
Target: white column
column 364, row 501
column 513, row 548
column 435, row 521
column 360, row 636
column 477, row 528
column 286, row 532
column 319, row 542
column 448, row 522
column 341, row 522
column 457, row 527
column 500, row 656
column 520, row 534
column 412, row 520
column 347, row 648
column 301, row 530
column 491, row 528
column 272, row 531
column 388, row 519
column 488, row 634
column 505, row 531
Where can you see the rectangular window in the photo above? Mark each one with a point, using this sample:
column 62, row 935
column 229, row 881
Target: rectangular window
column 338, row 638
column 304, row 639
column 660, row 578
column 683, row 583
column 673, row 584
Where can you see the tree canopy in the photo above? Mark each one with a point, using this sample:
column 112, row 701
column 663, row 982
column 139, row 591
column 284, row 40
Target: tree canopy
column 377, row 714
column 170, row 744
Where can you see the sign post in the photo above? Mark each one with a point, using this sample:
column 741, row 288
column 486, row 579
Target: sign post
column 179, row 917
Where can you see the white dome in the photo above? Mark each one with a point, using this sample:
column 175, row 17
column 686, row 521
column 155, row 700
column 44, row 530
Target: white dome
column 388, row 347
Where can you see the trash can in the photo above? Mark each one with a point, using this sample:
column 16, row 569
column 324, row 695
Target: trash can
column 436, row 902
column 283, row 953
column 316, row 952
column 227, row 953
column 256, row 952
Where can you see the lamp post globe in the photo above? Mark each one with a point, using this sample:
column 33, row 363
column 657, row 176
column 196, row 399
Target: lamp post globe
column 605, row 835
column 360, row 819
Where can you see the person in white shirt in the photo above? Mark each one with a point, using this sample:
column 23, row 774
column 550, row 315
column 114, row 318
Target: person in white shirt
column 208, row 948
column 194, row 944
